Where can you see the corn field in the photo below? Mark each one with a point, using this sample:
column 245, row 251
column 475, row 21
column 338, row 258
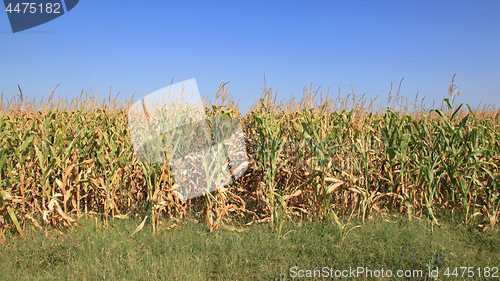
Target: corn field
column 317, row 160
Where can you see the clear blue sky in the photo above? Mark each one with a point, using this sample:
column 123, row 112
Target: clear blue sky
column 141, row 45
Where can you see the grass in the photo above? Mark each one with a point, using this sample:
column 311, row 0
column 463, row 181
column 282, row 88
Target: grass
column 191, row 252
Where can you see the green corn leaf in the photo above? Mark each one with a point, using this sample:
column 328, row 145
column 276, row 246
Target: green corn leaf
column 447, row 100
column 456, row 111
column 3, row 159
column 477, row 152
column 26, row 143
column 13, row 217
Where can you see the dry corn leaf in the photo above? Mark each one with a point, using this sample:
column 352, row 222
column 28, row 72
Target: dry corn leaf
column 493, row 219
column 121, row 217
column 332, row 187
column 295, row 194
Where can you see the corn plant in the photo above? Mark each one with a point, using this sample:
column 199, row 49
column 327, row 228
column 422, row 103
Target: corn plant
column 324, row 161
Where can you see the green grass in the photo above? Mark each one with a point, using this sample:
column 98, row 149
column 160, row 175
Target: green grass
column 192, row 253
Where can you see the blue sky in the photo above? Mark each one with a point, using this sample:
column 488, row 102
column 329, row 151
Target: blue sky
column 142, row 45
